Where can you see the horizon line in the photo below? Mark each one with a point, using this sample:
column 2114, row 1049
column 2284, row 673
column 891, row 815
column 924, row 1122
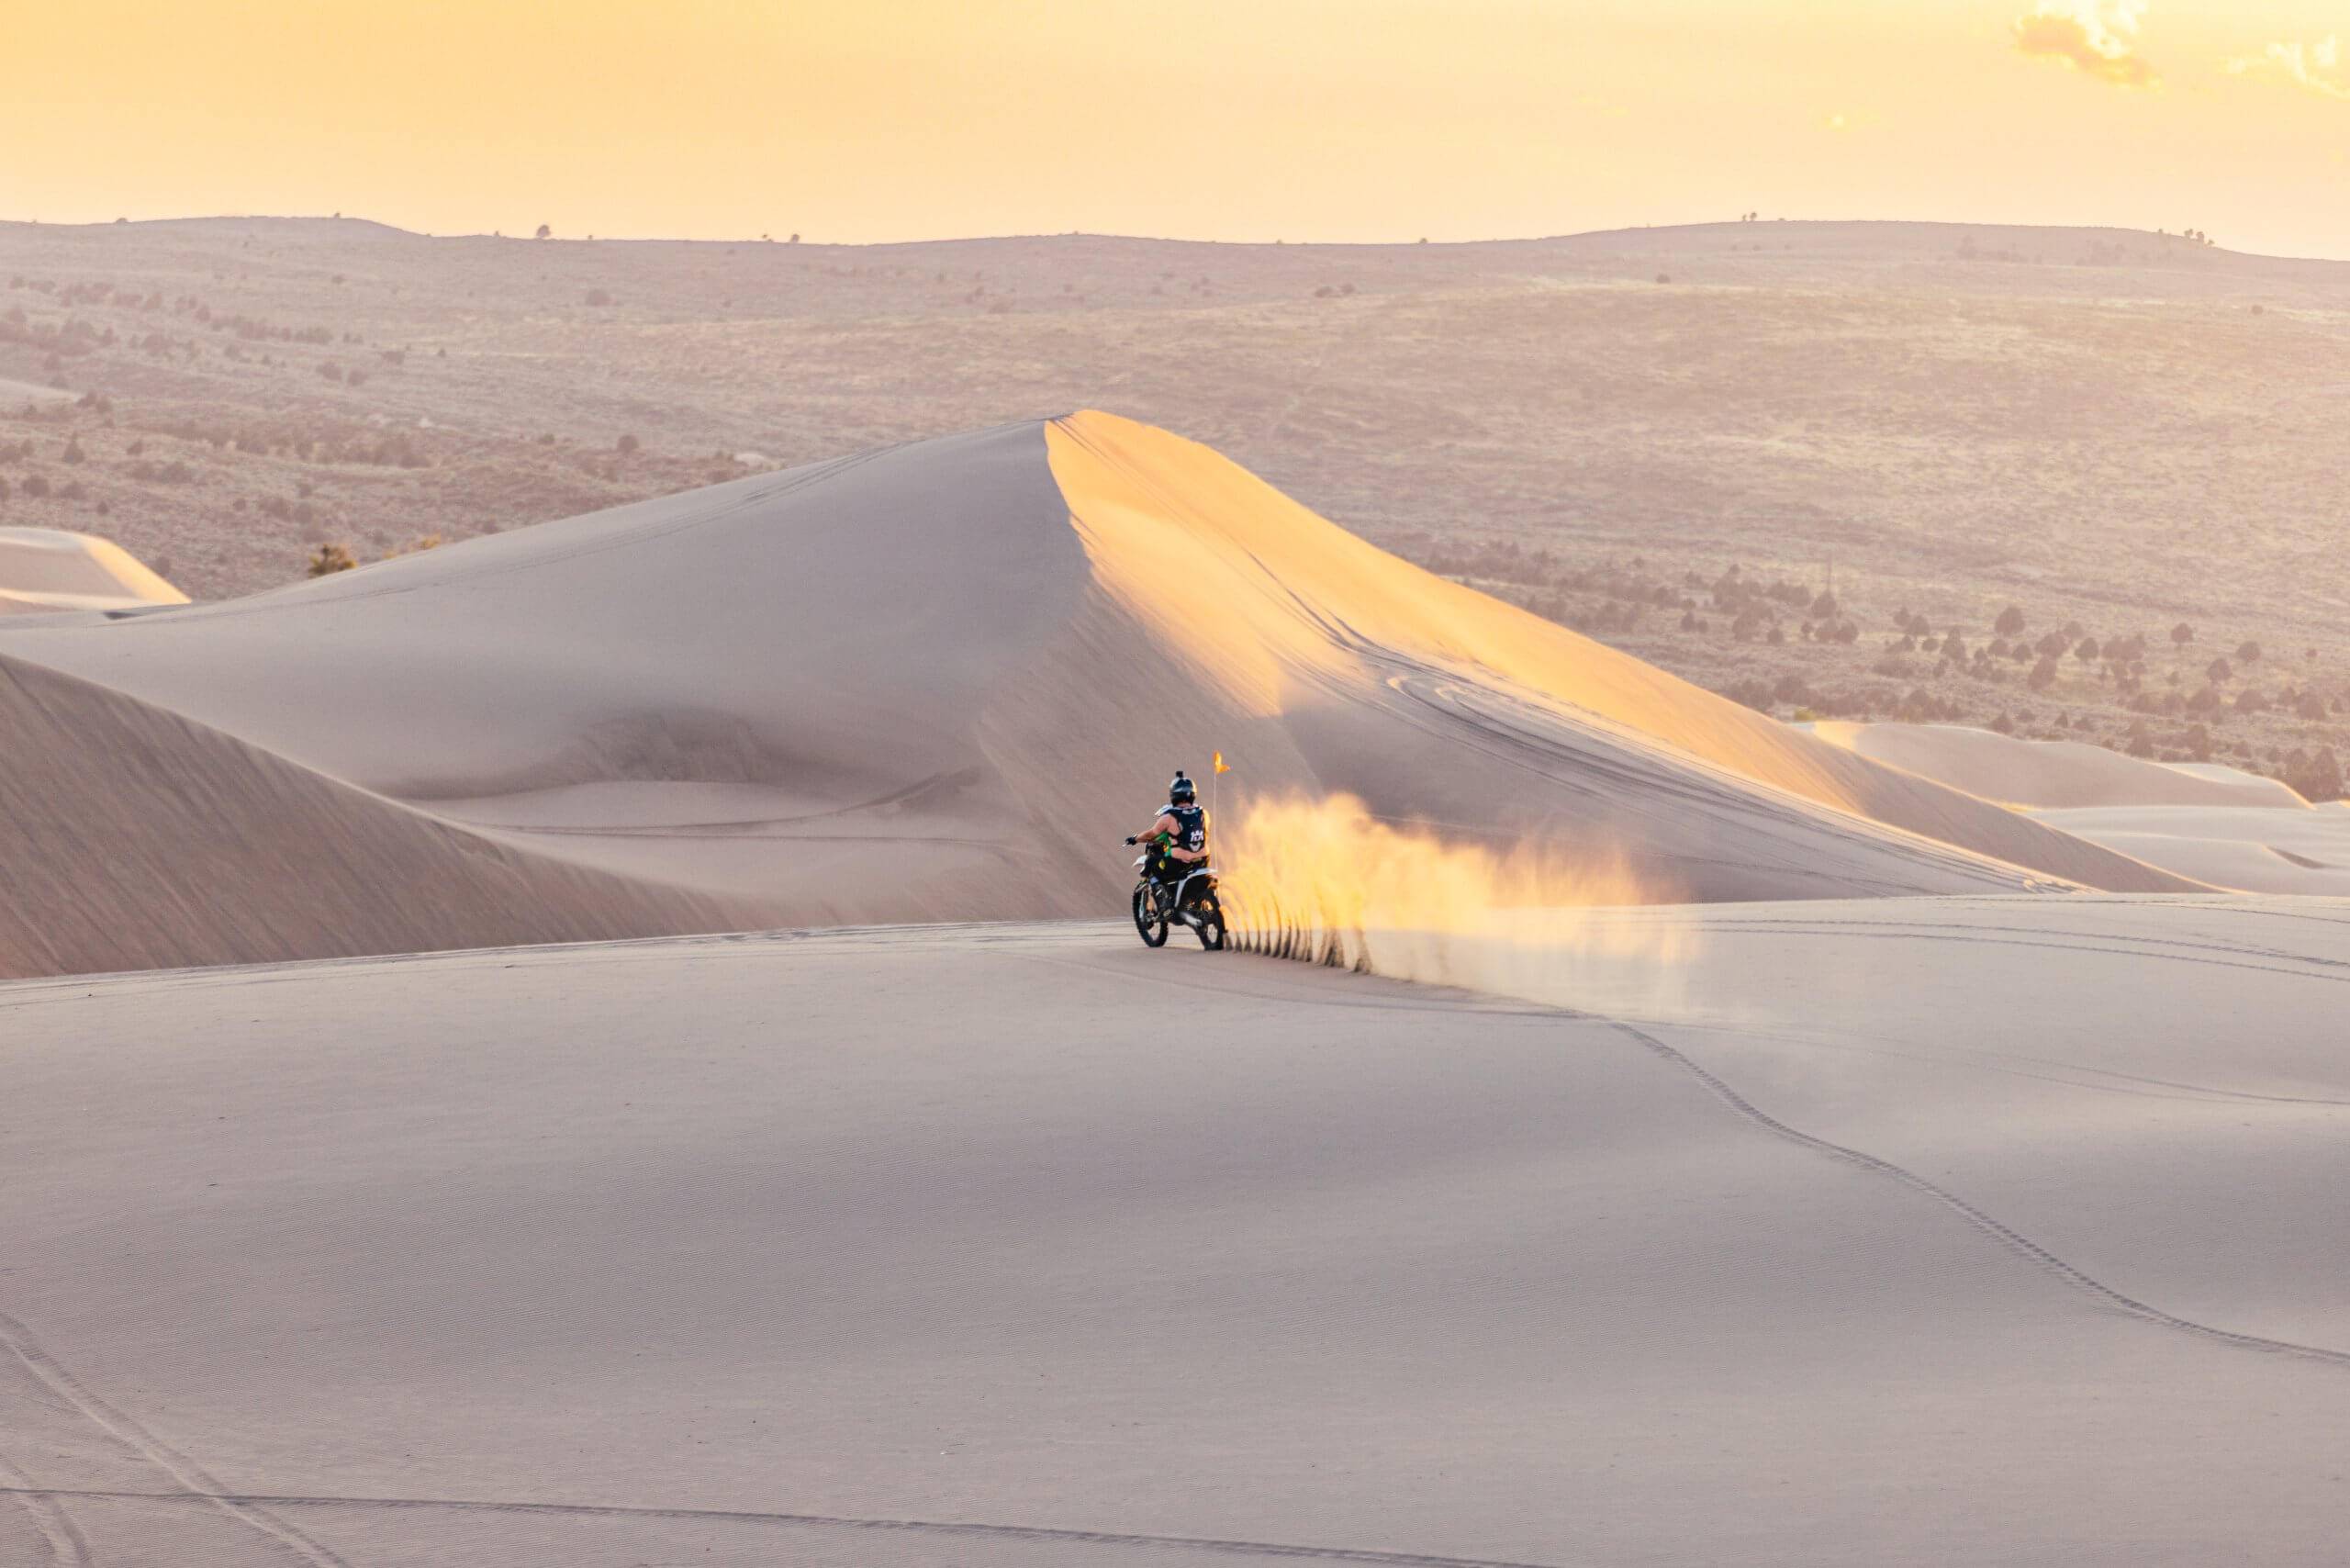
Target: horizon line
column 1283, row 243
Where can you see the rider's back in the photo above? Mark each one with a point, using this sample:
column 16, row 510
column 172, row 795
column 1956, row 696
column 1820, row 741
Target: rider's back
column 1191, row 827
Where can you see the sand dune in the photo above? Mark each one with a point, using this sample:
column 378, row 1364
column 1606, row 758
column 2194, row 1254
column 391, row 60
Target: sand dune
column 1519, row 723
column 2050, row 773
column 2215, row 824
column 133, row 838
column 31, row 392
column 2256, row 849
column 939, row 680
column 1914, row 1231
column 46, row 569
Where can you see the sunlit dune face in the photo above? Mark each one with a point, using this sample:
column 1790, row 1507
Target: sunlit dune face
column 1272, row 603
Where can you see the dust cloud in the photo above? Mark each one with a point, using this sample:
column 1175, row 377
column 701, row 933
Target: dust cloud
column 1323, row 881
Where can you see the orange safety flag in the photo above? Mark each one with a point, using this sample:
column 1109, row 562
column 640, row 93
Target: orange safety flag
column 1220, row 767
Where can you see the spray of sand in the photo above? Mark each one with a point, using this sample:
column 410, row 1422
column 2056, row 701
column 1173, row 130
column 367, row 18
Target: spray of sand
column 1323, row 881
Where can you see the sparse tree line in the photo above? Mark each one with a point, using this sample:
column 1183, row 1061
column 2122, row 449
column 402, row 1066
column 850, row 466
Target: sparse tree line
column 2154, row 694
column 72, row 337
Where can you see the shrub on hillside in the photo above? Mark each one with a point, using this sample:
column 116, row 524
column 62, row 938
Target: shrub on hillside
column 2316, row 776
column 329, row 559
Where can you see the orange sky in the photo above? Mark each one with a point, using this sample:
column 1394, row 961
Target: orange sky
column 1304, row 120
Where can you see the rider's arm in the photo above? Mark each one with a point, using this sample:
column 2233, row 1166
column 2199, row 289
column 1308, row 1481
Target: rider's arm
column 1166, row 824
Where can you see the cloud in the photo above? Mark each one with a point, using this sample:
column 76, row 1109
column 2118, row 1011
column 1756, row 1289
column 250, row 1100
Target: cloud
column 2316, row 67
column 2097, row 36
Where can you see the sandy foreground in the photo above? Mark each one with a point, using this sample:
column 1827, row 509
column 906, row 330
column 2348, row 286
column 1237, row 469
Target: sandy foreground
column 1984, row 1230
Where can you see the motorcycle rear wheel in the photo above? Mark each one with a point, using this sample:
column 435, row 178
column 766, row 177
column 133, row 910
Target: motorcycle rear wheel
column 1210, row 913
column 1149, row 923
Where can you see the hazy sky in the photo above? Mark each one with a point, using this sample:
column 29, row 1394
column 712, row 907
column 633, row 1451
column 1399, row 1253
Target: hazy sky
column 1304, row 120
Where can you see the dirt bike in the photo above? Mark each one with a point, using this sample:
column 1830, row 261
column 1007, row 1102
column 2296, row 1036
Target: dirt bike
column 1192, row 901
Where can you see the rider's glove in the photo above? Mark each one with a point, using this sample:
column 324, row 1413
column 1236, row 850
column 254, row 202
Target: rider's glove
column 1131, row 839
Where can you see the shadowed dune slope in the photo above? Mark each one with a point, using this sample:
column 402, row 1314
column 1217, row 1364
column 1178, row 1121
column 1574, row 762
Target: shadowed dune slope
column 132, row 838
column 768, row 690
column 939, row 680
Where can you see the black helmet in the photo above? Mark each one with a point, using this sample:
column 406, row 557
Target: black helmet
column 1181, row 792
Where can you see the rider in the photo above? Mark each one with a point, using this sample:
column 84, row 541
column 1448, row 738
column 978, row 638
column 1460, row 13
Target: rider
column 1179, row 838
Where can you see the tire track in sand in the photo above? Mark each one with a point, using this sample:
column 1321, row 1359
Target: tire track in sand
column 1041, row 1534
column 197, row 1484
column 63, row 1539
column 2015, row 1241
column 1290, row 943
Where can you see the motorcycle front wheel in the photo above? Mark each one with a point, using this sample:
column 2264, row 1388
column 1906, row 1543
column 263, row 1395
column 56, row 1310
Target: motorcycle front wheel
column 1148, row 921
